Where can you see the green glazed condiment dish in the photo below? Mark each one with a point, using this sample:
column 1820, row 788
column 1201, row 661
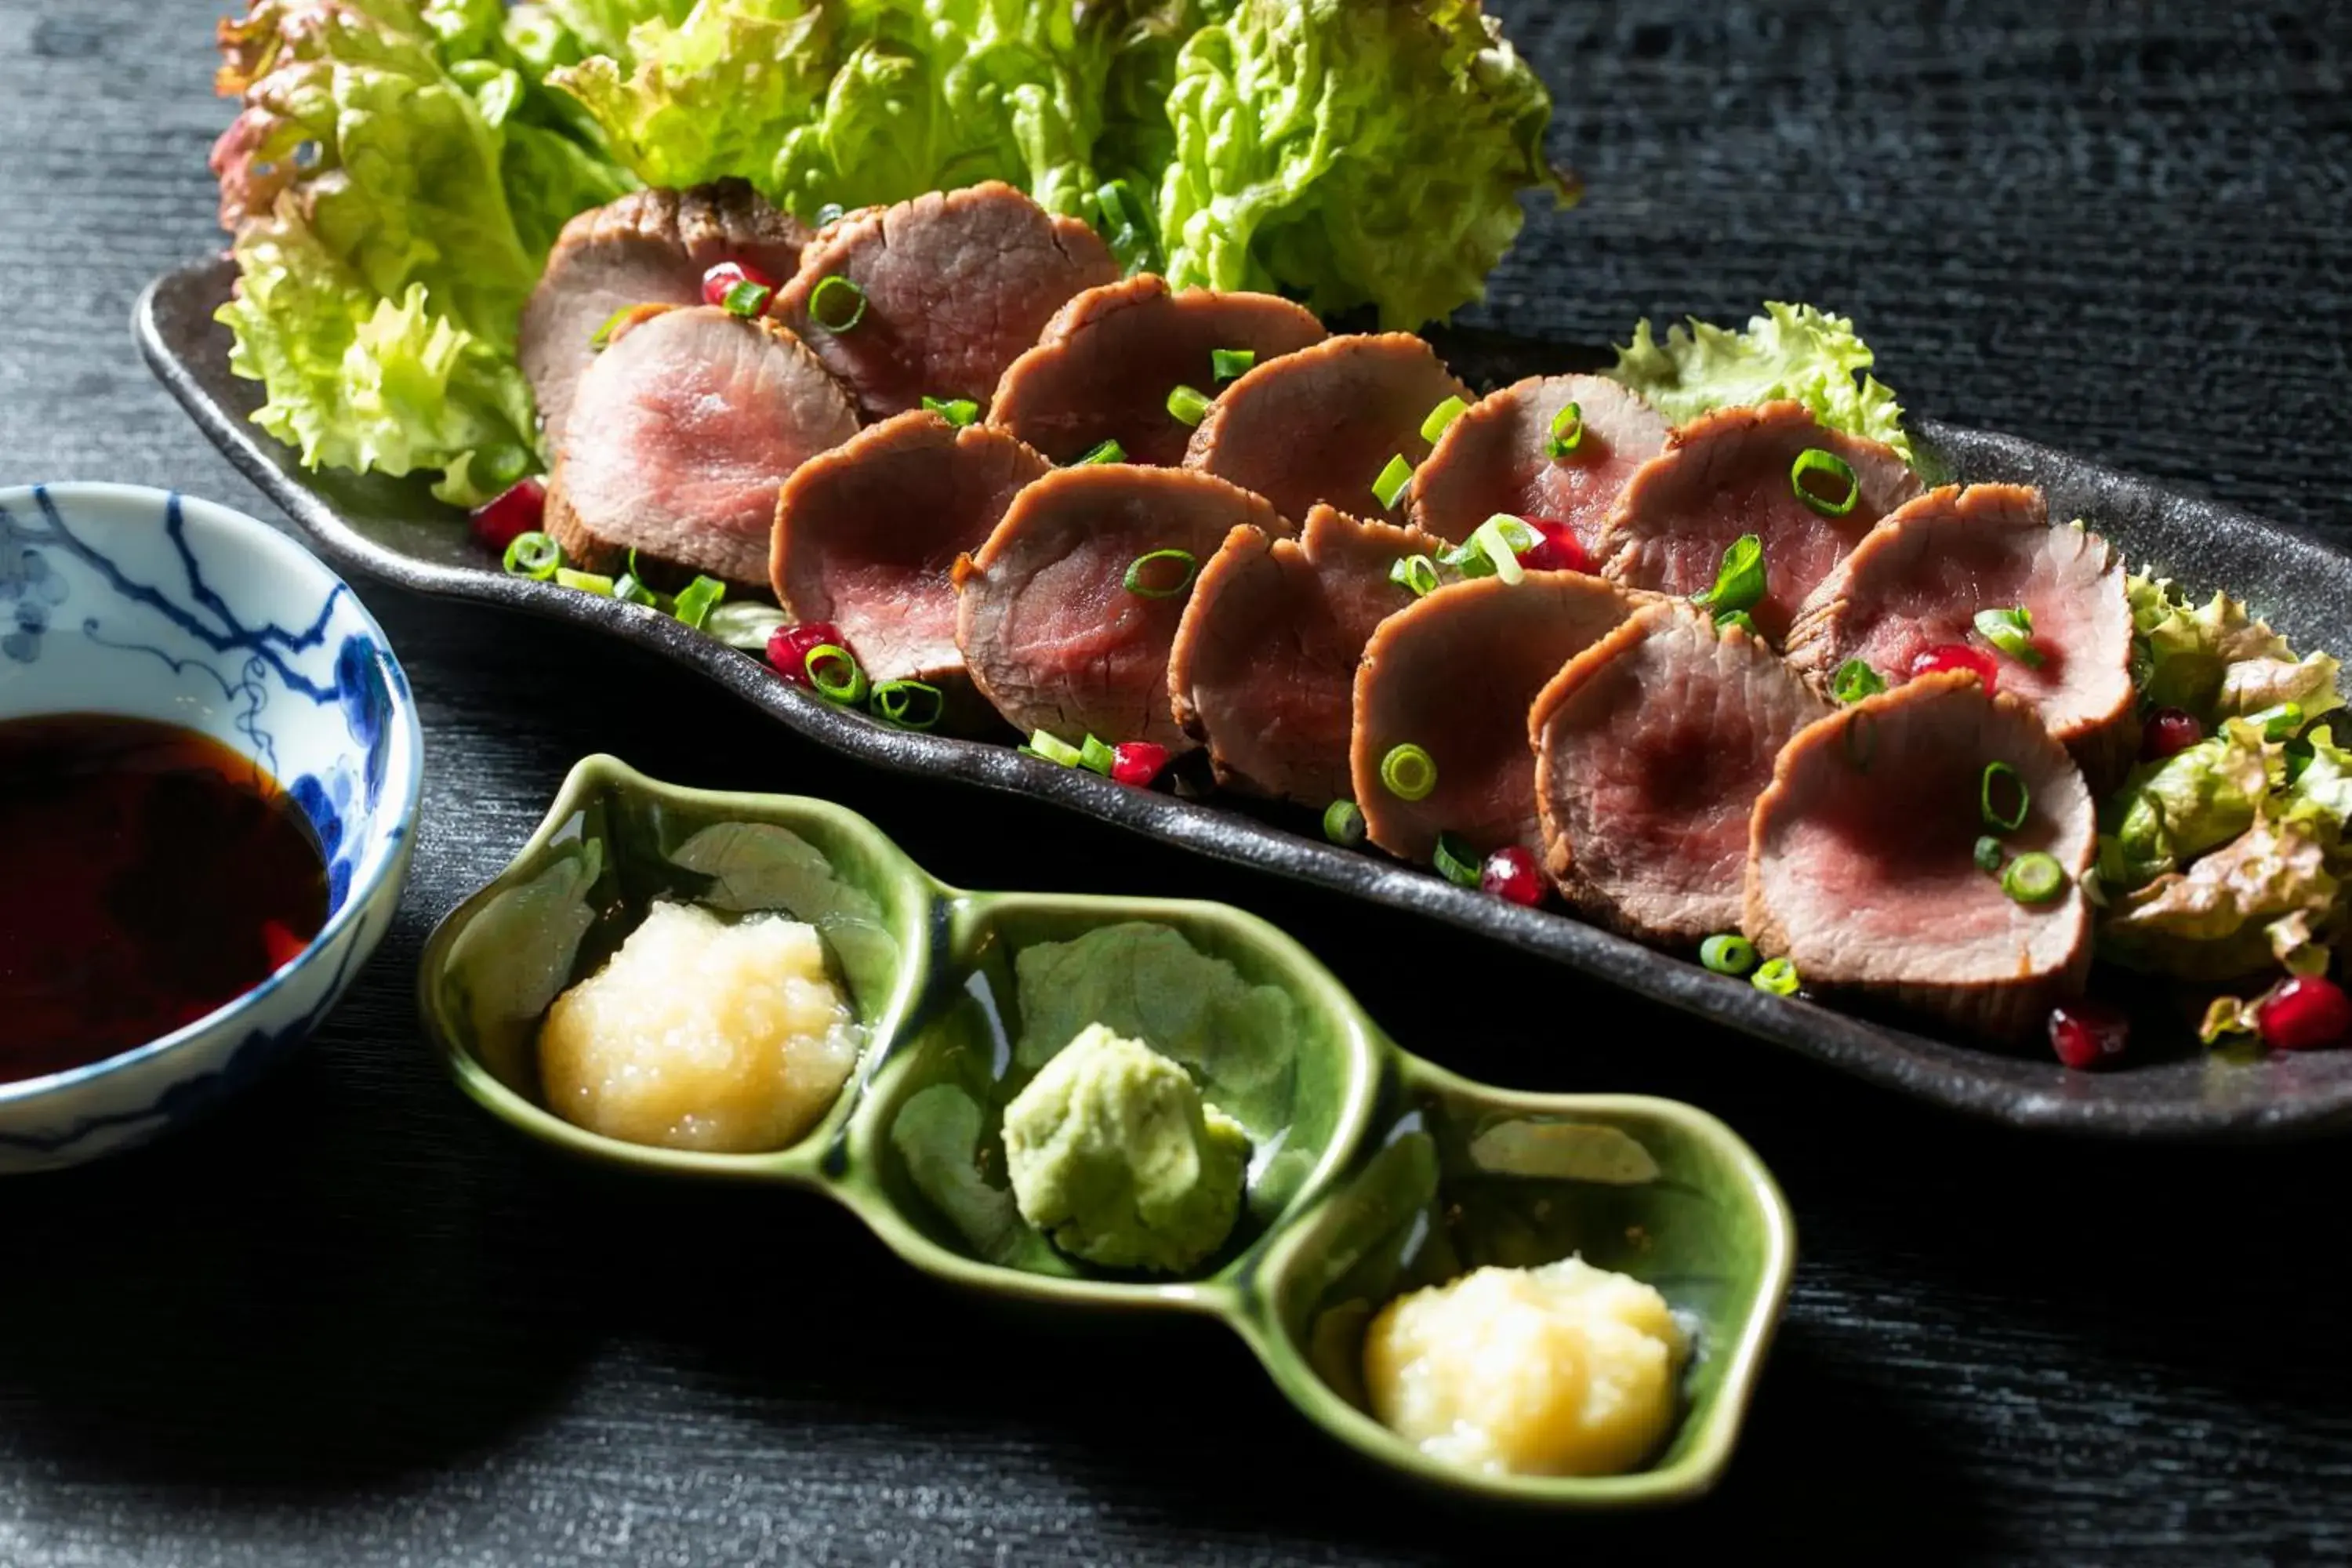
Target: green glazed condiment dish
column 1372, row 1173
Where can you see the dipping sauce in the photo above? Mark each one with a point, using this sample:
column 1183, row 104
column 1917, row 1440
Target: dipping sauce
column 153, row 874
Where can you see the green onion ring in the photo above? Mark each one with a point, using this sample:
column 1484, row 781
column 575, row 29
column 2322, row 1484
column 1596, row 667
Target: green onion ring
column 910, row 704
column 1097, row 757
column 533, row 555
column 2034, row 877
column 629, row 590
column 1814, row 460
column 1133, row 581
column 1855, row 681
column 747, row 299
column 957, row 411
column 1989, row 855
column 1727, row 954
column 1567, row 432
column 1440, row 417
column 2011, row 631
column 1227, row 364
column 1409, row 773
column 1500, row 539
column 1417, row 574
column 1053, row 748
column 824, row 662
column 1101, row 452
column 1777, row 976
column 1738, row 580
column 1392, row 480
column 833, row 286
column 1456, row 861
column 1343, row 824
column 698, row 599
column 1993, row 817
column 1187, row 404
column 595, row 582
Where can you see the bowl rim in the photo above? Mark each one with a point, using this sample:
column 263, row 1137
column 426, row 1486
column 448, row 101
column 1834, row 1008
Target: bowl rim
column 406, row 767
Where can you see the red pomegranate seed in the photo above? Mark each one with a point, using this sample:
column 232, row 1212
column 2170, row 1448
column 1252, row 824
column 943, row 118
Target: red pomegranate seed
column 518, row 509
column 1556, row 551
column 1958, row 655
column 1137, row 763
column 1511, row 873
column 2170, row 732
column 725, row 275
column 2306, row 1013
column 2086, row 1033
column 789, row 648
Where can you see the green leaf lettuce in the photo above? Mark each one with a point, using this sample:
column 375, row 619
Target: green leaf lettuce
column 2217, row 660
column 1791, row 351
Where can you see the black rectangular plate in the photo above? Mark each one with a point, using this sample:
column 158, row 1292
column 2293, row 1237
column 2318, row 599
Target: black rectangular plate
column 394, row 531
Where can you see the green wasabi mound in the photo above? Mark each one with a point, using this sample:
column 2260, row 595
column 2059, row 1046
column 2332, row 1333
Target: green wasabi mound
column 1115, row 1158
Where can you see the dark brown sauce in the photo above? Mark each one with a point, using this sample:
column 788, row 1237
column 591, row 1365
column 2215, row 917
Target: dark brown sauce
column 153, row 874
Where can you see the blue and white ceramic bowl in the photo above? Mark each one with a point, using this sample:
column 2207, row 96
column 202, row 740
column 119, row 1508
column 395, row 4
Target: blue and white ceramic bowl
column 116, row 599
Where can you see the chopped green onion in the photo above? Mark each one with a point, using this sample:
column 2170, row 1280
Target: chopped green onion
column 1408, row 772
column 1343, row 824
column 1053, row 749
column 1740, row 581
column 1444, row 414
column 1102, row 452
column 837, row 303
column 2034, row 877
column 1500, row 539
column 1994, row 816
column 1814, row 460
column 828, row 214
column 1990, row 855
column 1415, row 573
column 834, row 672
column 1855, row 681
column 1227, row 364
column 1134, row 583
column 2279, row 723
column 698, row 599
column 747, row 299
column 1727, row 954
column 957, row 411
column 910, row 704
column 627, row 588
column 586, row 581
column 1188, row 405
column 1392, row 481
column 602, row 337
column 746, row 623
column 1778, row 976
column 2011, row 631
column 1096, row 757
column 533, row 555
column 1740, row 618
column 1456, row 861
column 1567, row 432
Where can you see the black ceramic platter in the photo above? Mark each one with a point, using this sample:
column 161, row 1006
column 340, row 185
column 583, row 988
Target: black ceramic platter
column 393, row 529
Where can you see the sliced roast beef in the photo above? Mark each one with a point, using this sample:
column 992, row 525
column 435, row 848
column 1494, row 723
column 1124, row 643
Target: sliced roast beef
column 1454, row 674
column 1650, row 748
column 1109, row 360
column 1495, row 457
column 868, row 536
column 1731, row 473
column 681, row 435
column 1050, row 631
column 1919, row 578
column 1263, row 668
column 650, row 247
column 1862, row 865
column 955, row 286
column 1321, row 425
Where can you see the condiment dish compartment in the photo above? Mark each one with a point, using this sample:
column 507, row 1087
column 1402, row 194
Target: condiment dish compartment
column 1371, row 1173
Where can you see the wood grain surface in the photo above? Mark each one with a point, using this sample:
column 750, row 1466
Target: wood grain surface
column 350, row 1322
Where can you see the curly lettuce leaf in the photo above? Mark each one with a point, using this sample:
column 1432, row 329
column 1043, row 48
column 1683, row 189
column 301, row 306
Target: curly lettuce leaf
column 2168, row 813
column 1791, row 351
column 1351, row 153
column 2263, row 900
column 2217, row 660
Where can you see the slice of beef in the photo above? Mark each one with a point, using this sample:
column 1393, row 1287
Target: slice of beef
column 958, row 286
column 1108, row 362
column 680, row 437
column 1321, row 425
column 650, row 247
column 868, row 534
column 1650, row 748
column 1919, row 578
column 1049, row 631
column 1456, row 675
column 1264, row 669
column 1725, row 474
column 1492, row 459
column 1861, row 867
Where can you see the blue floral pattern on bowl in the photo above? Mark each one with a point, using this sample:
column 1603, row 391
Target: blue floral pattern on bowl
column 123, row 600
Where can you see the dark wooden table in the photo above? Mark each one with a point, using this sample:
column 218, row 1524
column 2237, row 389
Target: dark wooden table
column 352, row 1321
